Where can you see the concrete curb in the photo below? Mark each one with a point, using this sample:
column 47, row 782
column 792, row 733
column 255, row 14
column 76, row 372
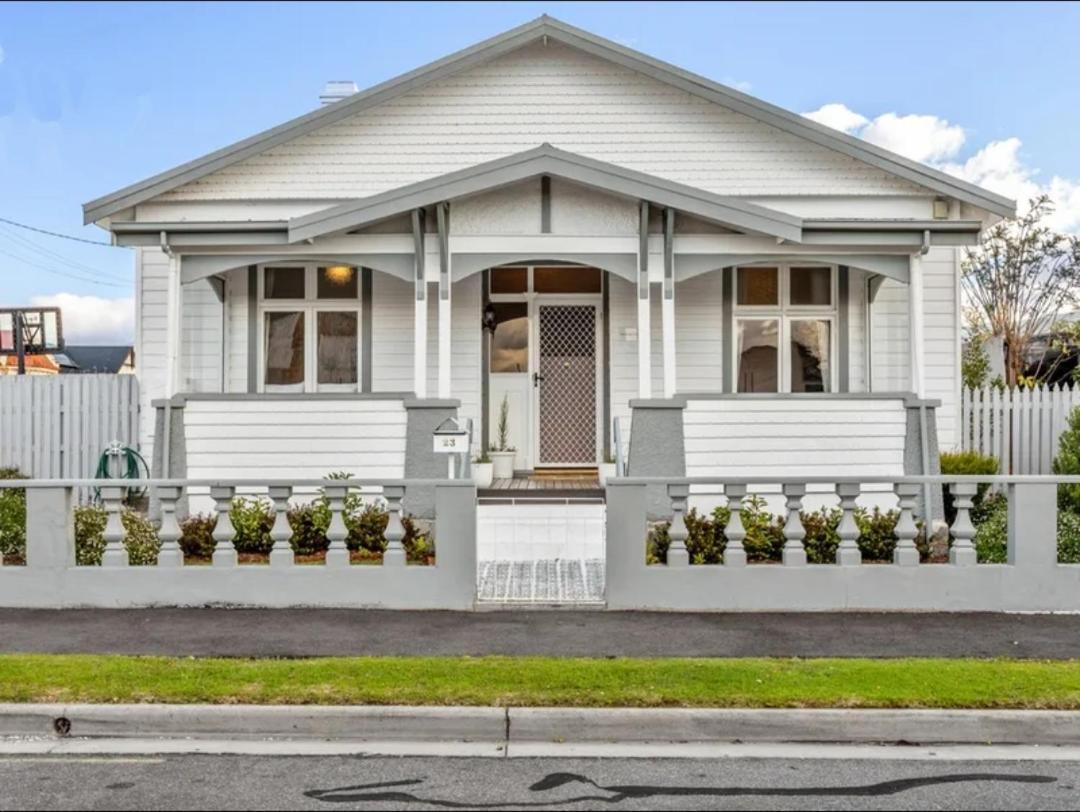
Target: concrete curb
column 506, row 726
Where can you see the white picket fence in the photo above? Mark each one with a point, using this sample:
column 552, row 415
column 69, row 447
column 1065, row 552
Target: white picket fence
column 1021, row 427
column 57, row 426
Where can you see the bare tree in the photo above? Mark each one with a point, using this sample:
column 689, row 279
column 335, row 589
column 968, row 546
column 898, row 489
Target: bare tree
column 1019, row 280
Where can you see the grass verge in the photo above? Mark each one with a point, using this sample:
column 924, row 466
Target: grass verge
column 540, row 681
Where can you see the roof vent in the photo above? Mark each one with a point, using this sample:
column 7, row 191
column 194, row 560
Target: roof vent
column 337, row 90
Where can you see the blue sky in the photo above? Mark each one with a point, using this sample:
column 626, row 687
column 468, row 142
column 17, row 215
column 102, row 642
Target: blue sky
column 96, row 96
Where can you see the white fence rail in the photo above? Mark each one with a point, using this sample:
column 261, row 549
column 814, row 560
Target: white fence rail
column 1021, row 427
column 58, row 426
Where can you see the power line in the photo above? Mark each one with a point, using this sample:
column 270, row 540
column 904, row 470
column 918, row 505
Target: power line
column 57, row 234
column 47, row 269
column 53, row 256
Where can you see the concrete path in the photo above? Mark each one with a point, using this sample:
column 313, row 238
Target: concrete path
column 327, row 632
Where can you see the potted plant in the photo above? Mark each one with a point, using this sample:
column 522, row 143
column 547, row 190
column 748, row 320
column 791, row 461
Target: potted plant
column 502, row 455
column 606, row 470
column 482, row 473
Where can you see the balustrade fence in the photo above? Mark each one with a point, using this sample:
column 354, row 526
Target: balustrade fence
column 51, row 577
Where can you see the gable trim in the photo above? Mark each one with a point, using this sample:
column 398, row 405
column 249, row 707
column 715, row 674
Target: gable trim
column 550, row 161
column 573, row 37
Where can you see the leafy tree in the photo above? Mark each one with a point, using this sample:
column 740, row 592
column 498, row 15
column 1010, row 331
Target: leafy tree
column 974, row 364
column 1067, row 462
column 1019, row 280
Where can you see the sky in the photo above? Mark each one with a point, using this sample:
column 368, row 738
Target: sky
column 94, row 97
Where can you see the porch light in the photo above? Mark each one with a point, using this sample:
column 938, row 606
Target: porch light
column 340, row 274
column 489, row 321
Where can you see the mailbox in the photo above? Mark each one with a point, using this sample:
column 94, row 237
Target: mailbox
column 452, row 437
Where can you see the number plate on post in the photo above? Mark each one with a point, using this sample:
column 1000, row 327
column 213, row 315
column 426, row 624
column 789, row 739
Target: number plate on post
column 452, row 443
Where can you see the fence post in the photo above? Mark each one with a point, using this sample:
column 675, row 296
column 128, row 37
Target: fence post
column 50, row 528
column 625, row 539
column 455, row 541
column 1033, row 525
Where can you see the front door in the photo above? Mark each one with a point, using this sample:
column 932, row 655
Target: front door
column 565, row 382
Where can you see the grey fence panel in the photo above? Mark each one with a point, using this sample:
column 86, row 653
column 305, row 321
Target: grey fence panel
column 57, row 426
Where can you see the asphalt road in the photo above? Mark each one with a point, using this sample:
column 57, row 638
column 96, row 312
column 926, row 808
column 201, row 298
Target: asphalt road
column 243, row 782
column 342, row 632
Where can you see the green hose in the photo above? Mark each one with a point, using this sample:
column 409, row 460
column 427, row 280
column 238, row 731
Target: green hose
column 132, row 466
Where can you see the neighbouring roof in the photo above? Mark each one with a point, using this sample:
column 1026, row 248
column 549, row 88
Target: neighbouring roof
column 87, row 358
column 547, row 160
column 559, row 31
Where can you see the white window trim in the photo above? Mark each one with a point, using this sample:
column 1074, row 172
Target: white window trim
column 310, row 306
column 785, row 313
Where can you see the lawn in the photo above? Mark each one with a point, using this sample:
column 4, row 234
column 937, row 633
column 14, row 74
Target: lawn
column 539, row 681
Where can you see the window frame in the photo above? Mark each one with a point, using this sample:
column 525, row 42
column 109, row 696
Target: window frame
column 784, row 313
column 310, row 306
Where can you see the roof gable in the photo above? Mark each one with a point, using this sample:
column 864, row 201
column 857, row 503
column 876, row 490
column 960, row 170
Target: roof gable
column 543, row 30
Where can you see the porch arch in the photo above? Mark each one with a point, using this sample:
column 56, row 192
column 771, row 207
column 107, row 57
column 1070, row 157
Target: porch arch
column 194, row 267
column 466, row 264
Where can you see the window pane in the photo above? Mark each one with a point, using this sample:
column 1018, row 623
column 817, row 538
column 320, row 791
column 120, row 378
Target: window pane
column 509, row 280
column 337, row 282
column 566, row 279
column 336, row 348
column 510, row 341
column 759, row 350
column 811, row 286
column 811, row 364
column 758, row 287
column 284, row 349
column 283, row 283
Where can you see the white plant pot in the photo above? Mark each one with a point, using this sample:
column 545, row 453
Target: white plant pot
column 502, row 464
column 605, row 471
column 482, row 474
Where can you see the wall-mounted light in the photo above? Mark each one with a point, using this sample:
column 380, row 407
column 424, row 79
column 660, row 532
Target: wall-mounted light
column 340, row 274
column 489, row 317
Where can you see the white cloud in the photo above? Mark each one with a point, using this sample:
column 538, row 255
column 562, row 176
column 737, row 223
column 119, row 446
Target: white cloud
column 998, row 166
column 839, row 117
column 92, row 319
column 1, row 55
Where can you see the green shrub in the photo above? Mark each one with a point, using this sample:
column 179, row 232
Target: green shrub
column 196, row 535
column 252, row 518
column 966, row 463
column 992, row 533
column 765, row 535
column 367, row 524
column 309, row 525
column 1067, row 462
column 141, row 539
column 12, row 516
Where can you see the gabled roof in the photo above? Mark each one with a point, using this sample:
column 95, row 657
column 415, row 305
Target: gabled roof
column 559, row 31
column 90, row 358
column 547, row 160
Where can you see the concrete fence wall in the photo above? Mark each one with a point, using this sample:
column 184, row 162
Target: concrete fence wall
column 50, row 577
column 1032, row 580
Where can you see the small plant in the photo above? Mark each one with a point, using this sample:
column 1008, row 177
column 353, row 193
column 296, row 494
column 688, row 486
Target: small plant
column 197, row 535
column 1067, row 462
column 12, row 516
column 966, row 463
column 483, row 458
column 140, row 537
column 503, row 427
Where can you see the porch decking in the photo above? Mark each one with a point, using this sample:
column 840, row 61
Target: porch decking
column 560, row 486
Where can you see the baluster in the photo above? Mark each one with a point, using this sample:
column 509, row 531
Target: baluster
column 395, row 530
column 678, row 555
column 962, row 553
column 115, row 554
column 337, row 555
column 734, row 532
column 224, row 549
column 170, row 554
column 281, row 554
column 848, row 553
column 906, row 554
column 794, row 532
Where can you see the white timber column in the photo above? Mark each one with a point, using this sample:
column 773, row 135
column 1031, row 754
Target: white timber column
column 173, row 314
column 420, row 313
column 668, row 304
column 916, row 330
column 644, row 327
column 443, row 222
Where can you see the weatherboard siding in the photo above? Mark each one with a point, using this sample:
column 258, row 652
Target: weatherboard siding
column 537, row 94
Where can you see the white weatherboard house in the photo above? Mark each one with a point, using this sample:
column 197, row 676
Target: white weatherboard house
column 639, row 260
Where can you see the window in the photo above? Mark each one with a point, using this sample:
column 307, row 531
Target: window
column 559, row 279
column 784, row 328
column 311, row 328
column 510, row 340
